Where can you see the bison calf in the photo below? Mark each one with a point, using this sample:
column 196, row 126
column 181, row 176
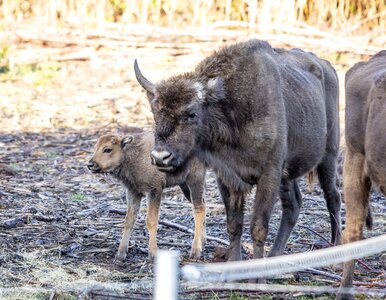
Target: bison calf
column 365, row 159
column 128, row 159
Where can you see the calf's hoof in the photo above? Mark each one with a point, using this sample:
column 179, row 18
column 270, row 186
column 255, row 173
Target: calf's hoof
column 195, row 253
column 120, row 256
column 151, row 256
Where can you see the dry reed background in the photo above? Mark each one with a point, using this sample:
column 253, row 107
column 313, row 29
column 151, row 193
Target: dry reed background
column 77, row 83
column 347, row 16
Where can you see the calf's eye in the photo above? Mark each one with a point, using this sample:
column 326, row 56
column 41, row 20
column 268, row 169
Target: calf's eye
column 107, row 150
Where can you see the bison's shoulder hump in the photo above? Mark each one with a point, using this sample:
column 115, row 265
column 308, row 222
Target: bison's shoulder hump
column 381, row 54
column 375, row 63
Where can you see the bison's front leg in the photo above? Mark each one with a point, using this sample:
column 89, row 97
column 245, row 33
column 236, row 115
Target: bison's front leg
column 291, row 201
column 266, row 194
column 153, row 204
column 234, row 206
column 356, row 193
column 196, row 189
column 133, row 205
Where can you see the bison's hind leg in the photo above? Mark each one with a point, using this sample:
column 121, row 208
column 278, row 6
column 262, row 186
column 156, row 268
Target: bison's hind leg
column 356, row 192
column 327, row 175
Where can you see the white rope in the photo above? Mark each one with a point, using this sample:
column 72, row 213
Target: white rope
column 276, row 288
column 266, row 267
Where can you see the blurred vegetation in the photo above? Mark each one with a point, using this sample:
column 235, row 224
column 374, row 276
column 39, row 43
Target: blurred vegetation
column 38, row 74
column 267, row 15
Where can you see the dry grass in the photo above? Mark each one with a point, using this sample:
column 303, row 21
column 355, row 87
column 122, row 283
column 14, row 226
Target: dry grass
column 349, row 16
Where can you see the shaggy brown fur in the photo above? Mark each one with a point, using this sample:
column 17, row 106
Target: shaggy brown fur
column 258, row 116
column 365, row 159
column 128, row 159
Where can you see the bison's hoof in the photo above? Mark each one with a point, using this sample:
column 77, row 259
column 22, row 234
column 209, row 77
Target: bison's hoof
column 258, row 280
column 340, row 296
column 233, row 255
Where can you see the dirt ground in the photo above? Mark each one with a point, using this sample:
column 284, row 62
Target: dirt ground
column 60, row 225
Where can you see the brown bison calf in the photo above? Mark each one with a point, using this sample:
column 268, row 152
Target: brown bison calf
column 365, row 159
column 128, row 159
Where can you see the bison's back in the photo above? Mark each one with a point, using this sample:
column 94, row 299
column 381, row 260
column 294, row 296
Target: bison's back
column 375, row 139
column 310, row 92
column 360, row 85
column 291, row 93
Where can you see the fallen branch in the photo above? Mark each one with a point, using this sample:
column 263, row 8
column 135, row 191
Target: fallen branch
column 188, row 230
column 360, row 261
column 15, row 222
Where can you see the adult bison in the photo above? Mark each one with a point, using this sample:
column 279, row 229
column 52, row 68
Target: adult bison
column 258, row 116
column 365, row 159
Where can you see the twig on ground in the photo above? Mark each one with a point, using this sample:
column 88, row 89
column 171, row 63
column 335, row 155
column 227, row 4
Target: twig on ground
column 360, row 261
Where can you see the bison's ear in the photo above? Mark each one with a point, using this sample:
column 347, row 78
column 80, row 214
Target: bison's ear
column 215, row 90
column 380, row 81
column 126, row 141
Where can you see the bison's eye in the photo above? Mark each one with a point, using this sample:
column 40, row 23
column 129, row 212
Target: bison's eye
column 189, row 117
column 192, row 116
column 107, row 150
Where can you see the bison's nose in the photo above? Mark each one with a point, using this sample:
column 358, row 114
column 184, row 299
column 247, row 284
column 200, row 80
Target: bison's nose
column 161, row 158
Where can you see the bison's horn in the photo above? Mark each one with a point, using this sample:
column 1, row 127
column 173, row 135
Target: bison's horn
column 146, row 84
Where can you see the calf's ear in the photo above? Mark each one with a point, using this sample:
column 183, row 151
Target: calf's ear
column 126, row 141
column 215, row 90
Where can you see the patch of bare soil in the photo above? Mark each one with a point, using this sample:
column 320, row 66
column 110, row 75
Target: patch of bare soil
column 60, row 225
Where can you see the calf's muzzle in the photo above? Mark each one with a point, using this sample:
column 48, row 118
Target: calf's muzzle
column 93, row 166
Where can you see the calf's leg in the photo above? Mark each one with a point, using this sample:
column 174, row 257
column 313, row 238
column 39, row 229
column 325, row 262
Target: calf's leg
column 291, row 200
column 356, row 193
column 234, row 206
column 153, row 205
column 133, row 206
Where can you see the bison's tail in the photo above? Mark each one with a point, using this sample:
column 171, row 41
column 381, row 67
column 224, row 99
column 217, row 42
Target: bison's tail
column 310, row 180
column 369, row 219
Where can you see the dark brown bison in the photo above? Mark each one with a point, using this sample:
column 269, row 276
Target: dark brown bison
column 365, row 158
column 127, row 158
column 258, row 116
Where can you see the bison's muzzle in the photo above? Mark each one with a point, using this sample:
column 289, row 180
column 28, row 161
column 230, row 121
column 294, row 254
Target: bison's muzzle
column 163, row 159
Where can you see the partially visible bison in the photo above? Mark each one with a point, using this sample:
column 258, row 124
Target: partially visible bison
column 128, row 159
column 258, row 116
column 365, row 158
